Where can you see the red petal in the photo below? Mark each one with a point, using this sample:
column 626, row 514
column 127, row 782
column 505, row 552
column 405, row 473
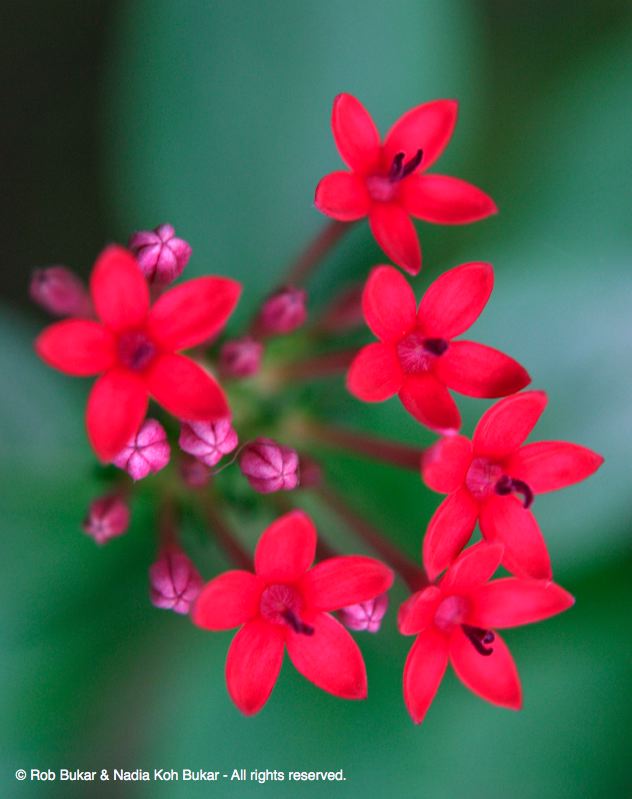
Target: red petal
column 193, row 312
column 119, row 290
column 427, row 127
column 503, row 519
column 510, row 602
column 449, row 531
column 375, row 373
column 116, row 407
column 425, row 666
column 456, row 299
column 504, row 427
column 418, row 611
column 228, row 601
column 184, row 389
column 396, row 235
column 329, row 658
column 445, row 464
column 492, row 677
column 338, row 582
column 77, row 347
column 473, row 568
column 253, row 665
column 343, row 196
column 550, row 465
column 357, row 138
column 444, row 200
column 479, row 371
column 430, row 403
column 389, row 304
column 286, row 548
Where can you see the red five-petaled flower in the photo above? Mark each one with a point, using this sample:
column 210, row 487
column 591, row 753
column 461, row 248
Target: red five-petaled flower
column 493, row 479
column 287, row 604
column 386, row 181
column 416, row 357
column 456, row 620
column 134, row 349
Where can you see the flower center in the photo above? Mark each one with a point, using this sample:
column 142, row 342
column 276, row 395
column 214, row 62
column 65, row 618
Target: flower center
column 281, row 604
column 417, row 353
column 383, row 188
column 479, row 638
column 484, row 477
column 451, row 611
column 136, row 350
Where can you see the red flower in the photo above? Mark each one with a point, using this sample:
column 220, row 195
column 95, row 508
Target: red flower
column 416, row 357
column 493, row 479
column 134, row 349
column 456, row 620
column 287, row 604
column 386, row 181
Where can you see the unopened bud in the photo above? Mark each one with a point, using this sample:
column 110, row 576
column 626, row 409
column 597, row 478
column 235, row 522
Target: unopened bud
column 60, row 292
column 160, row 254
column 146, row 453
column 283, row 311
column 240, row 357
column 108, row 516
column 269, row 466
column 208, row 441
column 174, row 582
column 194, row 473
column 365, row 615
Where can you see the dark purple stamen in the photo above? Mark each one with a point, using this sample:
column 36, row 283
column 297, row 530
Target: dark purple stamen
column 511, row 485
column 478, row 638
column 436, row 346
column 396, row 167
column 296, row 624
column 400, row 170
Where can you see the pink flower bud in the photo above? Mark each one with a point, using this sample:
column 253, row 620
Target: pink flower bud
column 60, row 292
column 365, row 615
column 283, row 311
column 208, row 441
column 160, row 255
column 269, row 466
column 194, row 473
column 146, row 452
column 240, row 357
column 108, row 516
column 174, row 582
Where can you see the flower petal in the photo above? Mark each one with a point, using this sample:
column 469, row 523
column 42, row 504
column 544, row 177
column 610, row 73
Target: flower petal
column 445, row 464
column 343, row 196
column 449, row 531
column 425, row 666
column 429, row 401
column 472, row 568
column 338, row 582
column 375, row 373
column 551, row 465
column 228, row 601
column 286, row 548
column 427, row 127
column 455, row 300
column 329, row 658
column 116, row 407
column 253, row 665
column 356, row 136
column 119, row 290
column 418, row 611
column 504, row 427
column 193, row 312
column 185, row 390
column 77, row 347
column 479, row 371
column 445, row 200
column 396, row 235
column 503, row 519
column 388, row 304
column 492, row 677
column 511, row 601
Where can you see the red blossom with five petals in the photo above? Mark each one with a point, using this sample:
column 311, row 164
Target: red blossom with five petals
column 456, row 621
column 493, row 479
column 387, row 181
column 416, row 357
column 134, row 349
column 286, row 604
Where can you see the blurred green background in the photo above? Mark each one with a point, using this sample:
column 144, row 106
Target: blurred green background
column 215, row 116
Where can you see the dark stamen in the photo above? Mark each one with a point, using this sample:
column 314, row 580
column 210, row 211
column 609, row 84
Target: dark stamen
column 296, row 624
column 436, row 346
column 511, row 485
column 396, row 167
column 478, row 638
column 414, row 162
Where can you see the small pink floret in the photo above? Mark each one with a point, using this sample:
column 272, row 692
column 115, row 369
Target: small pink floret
column 108, row 517
column 365, row 615
column 269, row 466
column 160, row 254
column 146, row 453
column 60, row 292
column 208, row 441
column 240, row 357
column 284, row 311
column 174, row 582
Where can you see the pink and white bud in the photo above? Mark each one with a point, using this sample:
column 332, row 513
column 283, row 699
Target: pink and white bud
column 193, row 472
column 269, row 466
column 108, row 516
column 174, row 582
column 160, row 254
column 365, row 615
column 208, row 441
column 146, row 453
column 240, row 357
column 284, row 311
column 60, row 292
